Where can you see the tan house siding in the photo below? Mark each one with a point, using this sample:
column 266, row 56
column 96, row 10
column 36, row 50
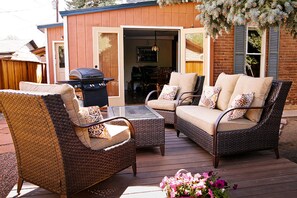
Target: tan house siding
column 80, row 26
column 54, row 34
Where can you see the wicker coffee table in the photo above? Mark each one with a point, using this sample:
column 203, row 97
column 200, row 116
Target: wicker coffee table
column 148, row 124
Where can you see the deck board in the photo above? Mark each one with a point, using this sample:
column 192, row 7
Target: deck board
column 258, row 174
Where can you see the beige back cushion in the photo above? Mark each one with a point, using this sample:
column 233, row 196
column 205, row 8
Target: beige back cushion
column 261, row 88
column 76, row 113
column 227, row 84
column 185, row 82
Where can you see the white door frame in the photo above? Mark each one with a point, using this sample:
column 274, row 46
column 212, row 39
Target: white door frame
column 206, row 53
column 55, row 58
column 120, row 99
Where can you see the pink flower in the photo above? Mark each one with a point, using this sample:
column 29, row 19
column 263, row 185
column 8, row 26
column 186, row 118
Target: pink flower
column 220, row 183
column 164, row 182
column 198, row 193
column 210, row 193
column 184, row 185
column 205, row 175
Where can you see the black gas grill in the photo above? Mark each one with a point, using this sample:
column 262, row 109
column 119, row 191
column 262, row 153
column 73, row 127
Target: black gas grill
column 93, row 85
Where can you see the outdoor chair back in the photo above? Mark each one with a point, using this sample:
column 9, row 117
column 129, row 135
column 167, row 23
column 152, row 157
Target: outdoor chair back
column 49, row 153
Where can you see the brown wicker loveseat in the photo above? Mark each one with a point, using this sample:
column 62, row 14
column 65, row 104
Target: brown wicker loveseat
column 225, row 139
column 49, row 152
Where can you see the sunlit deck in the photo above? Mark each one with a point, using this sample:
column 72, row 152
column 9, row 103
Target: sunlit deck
column 258, row 174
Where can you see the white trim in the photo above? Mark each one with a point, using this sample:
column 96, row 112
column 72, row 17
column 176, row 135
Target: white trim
column 66, row 47
column 151, row 27
column 208, row 59
column 262, row 54
column 54, row 60
column 47, row 58
column 55, row 43
column 206, row 46
column 120, row 99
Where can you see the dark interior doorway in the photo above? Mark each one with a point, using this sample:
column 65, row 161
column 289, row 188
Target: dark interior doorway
column 145, row 69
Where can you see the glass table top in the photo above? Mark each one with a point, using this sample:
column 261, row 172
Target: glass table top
column 132, row 112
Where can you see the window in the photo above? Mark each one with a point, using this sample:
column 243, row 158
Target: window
column 247, row 50
column 61, row 57
column 255, row 52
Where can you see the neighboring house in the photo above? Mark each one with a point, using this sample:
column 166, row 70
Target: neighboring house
column 109, row 38
column 18, row 63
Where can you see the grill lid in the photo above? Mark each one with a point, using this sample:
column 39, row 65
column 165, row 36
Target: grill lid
column 86, row 74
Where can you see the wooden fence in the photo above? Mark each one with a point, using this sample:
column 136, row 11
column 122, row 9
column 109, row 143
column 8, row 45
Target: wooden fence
column 12, row 72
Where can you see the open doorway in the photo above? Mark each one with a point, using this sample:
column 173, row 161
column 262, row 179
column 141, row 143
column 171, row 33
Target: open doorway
column 145, row 69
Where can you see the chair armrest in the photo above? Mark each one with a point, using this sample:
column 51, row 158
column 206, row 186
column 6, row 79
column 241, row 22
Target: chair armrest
column 186, row 92
column 150, row 94
column 127, row 122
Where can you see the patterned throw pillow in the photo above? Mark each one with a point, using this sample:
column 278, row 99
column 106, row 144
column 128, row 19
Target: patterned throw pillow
column 99, row 130
column 241, row 100
column 209, row 96
column 168, row 92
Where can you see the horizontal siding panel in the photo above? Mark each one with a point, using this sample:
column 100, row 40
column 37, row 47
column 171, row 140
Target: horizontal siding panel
column 81, row 41
column 137, row 16
column 121, row 17
column 129, row 17
column 97, row 19
column 167, row 19
column 145, row 16
column 72, row 44
column 89, row 37
column 105, row 19
column 113, row 18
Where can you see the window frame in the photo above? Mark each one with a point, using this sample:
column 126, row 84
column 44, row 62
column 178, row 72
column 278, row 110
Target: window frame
column 263, row 50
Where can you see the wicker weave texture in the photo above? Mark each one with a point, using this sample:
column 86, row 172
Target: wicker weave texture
column 148, row 131
column 169, row 116
column 49, row 154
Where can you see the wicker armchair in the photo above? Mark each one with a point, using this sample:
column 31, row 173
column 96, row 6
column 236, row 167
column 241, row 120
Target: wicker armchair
column 49, row 153
column 264, row 135
column 169, row 114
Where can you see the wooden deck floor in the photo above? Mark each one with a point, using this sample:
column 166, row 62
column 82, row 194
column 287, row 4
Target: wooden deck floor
column 258, row 174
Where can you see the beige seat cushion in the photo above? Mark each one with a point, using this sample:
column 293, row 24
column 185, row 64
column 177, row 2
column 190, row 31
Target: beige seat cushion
column 227, row 84
column 119, row 134
column 162, row 104
column 186, row 82
column 168, row 105
column 205, row 118
column 261, row 88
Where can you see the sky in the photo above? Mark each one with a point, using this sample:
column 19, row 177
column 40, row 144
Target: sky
column 19, row 18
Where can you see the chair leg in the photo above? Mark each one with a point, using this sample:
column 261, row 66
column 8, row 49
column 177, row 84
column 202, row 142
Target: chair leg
column 162, row 149
column 20, row 184
column 276, row 152
column 177, row 133
column 216, row 160
column 134, row 168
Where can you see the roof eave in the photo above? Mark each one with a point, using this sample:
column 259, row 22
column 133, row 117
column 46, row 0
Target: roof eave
column 107, row 8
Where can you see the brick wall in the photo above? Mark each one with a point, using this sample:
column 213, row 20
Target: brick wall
column 288, row 65
column 224, row 53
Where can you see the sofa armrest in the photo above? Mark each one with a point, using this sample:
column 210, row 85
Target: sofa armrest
column 180, row 102
column 127, row 122
column 218, row 120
